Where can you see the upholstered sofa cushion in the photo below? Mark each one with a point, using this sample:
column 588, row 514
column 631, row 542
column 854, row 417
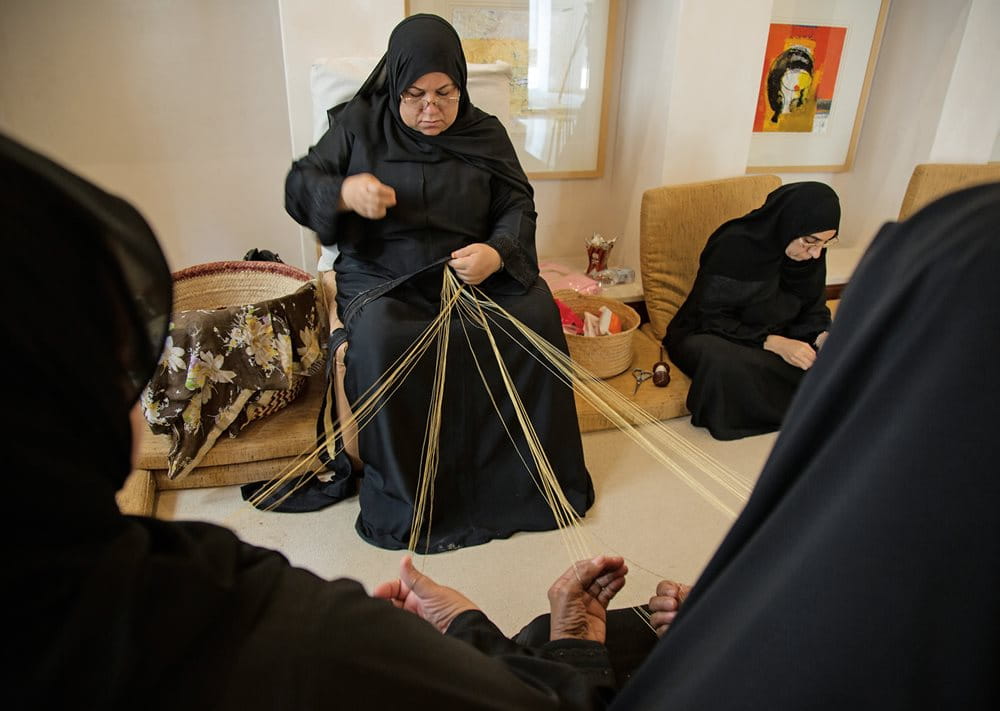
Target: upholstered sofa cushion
column 930, row 181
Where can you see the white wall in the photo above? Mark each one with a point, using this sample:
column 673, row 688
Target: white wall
column 178, row 106
column 193, row 109
column 918, row 53
column 688, row 93
column 963, row 133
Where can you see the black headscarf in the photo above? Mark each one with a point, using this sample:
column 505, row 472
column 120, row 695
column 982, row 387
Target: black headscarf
column 863, row 572
column 94, row 291
column 752, row 247
column 419, row 45
column 747, row 287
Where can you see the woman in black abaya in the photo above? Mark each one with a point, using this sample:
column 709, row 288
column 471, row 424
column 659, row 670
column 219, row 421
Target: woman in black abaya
column 127, row 612
column 863, row 571
column 756, row 315
column 412, row 176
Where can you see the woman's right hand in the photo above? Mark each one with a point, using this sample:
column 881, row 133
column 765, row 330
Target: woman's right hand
column 366, row 195
column 797, row 353
column 579, row 599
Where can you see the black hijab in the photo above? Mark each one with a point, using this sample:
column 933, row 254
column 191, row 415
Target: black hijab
column 747, row 287
column 863, row 572
column 752, row 247
column 419, row 45
column 94, row 293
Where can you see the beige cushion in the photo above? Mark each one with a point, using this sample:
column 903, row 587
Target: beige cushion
column 287, row 433
column 675, row 221
column 930, row 181
column 661, row 403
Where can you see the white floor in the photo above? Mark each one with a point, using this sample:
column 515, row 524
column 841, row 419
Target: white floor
column 663, row 527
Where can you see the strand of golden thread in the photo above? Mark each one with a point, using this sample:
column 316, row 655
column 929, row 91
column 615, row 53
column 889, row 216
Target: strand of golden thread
column 482, row 312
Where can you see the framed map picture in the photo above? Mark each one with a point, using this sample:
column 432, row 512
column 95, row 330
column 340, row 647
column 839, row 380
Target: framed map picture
column 556, row 60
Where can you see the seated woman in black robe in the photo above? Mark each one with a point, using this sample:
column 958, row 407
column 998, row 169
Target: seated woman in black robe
column 757, row 314
column 411, row 176
column 129, row 612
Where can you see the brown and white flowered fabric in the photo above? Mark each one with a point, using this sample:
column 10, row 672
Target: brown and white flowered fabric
column 221, row 366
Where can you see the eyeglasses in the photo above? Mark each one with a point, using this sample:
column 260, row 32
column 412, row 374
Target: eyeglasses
column 810, row 241
column 422, row 102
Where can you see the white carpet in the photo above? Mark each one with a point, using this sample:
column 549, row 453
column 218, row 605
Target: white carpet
column 642, row 511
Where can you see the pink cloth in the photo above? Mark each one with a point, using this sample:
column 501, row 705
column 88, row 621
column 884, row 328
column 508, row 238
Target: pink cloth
column 558, row 276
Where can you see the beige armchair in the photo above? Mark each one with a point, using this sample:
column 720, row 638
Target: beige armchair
column 930, row 181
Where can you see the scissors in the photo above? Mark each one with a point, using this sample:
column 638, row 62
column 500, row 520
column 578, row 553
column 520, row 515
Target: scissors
column 640, row 376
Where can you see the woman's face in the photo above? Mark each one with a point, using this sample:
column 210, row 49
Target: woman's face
column 430, row 104
column 809, row 246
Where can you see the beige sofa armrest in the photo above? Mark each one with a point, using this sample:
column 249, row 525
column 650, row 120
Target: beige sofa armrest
column 930, row 181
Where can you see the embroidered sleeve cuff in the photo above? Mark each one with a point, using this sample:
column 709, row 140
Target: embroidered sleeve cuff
column 514, row 260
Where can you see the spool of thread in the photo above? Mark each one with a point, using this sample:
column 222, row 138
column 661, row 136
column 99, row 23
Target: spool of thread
column 661, row 372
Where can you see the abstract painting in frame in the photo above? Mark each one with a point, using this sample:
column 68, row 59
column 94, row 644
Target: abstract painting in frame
column 819, row 60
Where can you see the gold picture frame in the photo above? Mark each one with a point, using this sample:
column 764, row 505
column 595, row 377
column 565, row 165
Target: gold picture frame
column 559, row 56
column 819, row 62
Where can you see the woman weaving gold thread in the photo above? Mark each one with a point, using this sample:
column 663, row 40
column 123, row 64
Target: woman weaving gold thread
column 411, row 177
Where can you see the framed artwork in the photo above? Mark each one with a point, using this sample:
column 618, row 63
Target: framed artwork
column 819, row 61
column 556, row 58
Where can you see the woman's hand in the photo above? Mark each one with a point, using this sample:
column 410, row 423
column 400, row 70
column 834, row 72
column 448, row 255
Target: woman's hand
column 797, row 353
column 665, row 604
column 579, row 598
column 821, row 339
column 475, row 262
column 415, row 592
column 366, row 195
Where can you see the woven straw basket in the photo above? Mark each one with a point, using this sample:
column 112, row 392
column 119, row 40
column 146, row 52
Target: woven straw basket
column 604, row 356
column 222, row 284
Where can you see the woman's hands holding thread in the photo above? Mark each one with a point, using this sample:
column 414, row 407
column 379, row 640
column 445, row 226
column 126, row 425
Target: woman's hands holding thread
column 415, row 592
column 663, row 606
column 797, row 353
column 366, row 195
column 475, row 262
column 579, row 598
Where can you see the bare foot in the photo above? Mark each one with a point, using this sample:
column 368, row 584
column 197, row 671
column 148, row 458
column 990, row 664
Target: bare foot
column 665, row 604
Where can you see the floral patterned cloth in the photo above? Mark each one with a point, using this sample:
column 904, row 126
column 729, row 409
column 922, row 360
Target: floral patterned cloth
column 219, row 365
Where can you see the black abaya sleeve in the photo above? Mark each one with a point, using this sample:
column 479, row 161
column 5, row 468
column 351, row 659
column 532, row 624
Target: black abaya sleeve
column 716, row 307
column 812, row 321
column 312, row 188
column 562, row 664
column 165, row 615
column 513, row 215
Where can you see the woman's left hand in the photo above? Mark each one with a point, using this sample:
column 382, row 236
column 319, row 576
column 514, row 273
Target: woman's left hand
column 474, row 263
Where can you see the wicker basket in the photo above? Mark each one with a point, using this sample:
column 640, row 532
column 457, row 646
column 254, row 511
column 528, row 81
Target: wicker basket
column 604, row 356
column 222, row 284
